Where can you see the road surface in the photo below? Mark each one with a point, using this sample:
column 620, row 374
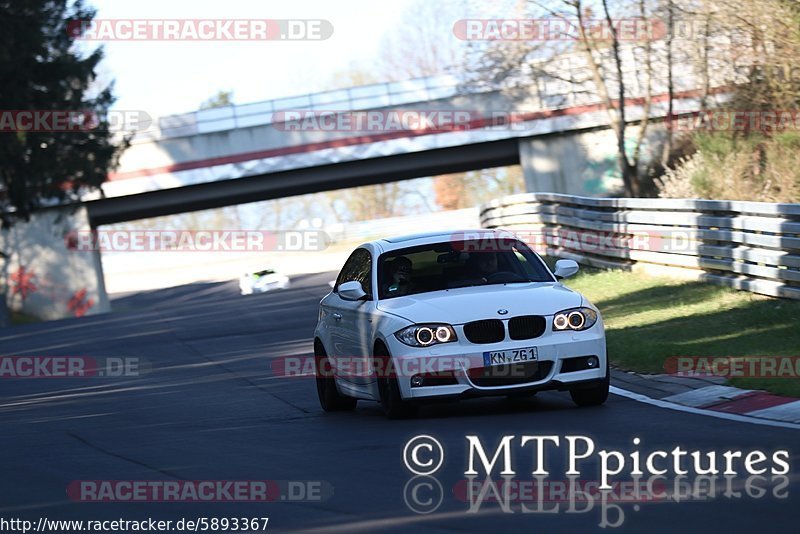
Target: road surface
column 206, row 406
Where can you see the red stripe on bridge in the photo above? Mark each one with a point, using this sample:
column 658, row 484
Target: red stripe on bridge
column 385, row 136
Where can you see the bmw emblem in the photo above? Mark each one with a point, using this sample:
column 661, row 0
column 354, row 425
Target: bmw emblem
column 502, row 311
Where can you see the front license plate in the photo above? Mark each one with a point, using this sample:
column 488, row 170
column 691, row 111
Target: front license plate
column 504, row 357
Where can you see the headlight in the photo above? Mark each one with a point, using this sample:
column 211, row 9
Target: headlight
column 425, row 335
column 574, row 319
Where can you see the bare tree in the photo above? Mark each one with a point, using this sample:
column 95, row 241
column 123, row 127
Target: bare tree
column 423, row 43
column 608, row 67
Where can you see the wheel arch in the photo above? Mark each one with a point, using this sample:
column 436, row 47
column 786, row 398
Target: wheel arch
column 379, row 343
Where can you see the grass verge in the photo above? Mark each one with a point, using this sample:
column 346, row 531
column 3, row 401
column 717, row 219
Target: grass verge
column 649, row 320
column 22, row 318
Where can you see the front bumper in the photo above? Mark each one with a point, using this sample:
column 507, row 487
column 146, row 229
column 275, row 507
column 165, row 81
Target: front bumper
column 552, row 348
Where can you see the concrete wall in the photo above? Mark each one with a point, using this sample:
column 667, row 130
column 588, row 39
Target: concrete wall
column 45, row 278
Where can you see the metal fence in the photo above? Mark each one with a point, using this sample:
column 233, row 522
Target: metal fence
column 751, row 246
column 258, row 113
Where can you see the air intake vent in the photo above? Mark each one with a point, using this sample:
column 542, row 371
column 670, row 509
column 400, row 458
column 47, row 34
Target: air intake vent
column 526, row 327
column 485, row 331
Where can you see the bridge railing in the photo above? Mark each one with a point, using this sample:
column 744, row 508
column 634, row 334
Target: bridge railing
column 543, row 94
column 258, row 113
column 554, row 83
column 751, row 246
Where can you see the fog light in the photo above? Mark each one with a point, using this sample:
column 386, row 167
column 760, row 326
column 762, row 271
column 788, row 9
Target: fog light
column 417, row 381
column 581, row 363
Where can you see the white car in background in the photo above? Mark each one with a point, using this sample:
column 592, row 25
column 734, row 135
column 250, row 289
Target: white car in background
column 262, row 281
column 453, row 315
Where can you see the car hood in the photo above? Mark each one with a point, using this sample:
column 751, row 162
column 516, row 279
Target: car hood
column 462, row 305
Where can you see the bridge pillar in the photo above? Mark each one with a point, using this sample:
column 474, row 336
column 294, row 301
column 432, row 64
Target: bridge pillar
column 541, row 163
column 48, row 273
column 583, row 163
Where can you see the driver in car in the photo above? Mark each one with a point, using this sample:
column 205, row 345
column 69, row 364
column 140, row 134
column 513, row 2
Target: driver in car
column 484, row 264
column 400, row 283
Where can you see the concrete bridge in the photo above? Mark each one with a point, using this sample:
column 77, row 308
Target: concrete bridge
column 557, row 131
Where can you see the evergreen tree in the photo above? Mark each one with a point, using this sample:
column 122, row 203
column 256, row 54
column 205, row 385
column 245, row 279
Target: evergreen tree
column 42, row 69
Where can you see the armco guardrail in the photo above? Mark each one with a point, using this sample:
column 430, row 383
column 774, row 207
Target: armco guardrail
column 752, row 246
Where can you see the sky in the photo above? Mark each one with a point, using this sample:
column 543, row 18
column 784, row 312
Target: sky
column 170, row 77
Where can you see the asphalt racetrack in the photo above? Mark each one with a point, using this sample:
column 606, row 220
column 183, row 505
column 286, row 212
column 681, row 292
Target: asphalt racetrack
column 205, row 405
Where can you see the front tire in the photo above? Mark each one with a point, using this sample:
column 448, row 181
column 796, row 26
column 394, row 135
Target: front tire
column 329, row 397
column 594, row 395
column 394, row 407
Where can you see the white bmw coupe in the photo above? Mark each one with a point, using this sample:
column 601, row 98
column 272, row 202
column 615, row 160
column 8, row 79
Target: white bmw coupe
column 454, row 315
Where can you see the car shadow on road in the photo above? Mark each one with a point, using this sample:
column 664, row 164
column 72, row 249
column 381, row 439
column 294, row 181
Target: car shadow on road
column 480, row 407
column 185, row 294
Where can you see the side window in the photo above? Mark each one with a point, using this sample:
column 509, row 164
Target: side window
column 357, row 267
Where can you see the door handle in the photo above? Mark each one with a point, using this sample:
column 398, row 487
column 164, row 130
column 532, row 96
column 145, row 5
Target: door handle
column 337, row 316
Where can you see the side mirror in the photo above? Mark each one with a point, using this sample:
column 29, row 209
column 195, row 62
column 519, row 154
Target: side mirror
column 566, row 268
column 352, row 290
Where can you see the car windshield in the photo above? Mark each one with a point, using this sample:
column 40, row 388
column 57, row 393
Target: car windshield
column 453, row 264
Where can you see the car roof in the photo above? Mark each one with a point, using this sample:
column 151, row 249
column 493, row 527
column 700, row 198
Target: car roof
column 425, row 238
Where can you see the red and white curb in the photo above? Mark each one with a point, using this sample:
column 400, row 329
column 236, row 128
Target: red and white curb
column 731, row 403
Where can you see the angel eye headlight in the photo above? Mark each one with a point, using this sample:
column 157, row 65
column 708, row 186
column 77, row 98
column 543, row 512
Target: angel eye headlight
column 575, row 319
column 425, row 335
column 443, row 334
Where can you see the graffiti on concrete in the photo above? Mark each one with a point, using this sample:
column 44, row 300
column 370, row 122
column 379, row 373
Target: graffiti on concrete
column 79, row 304
column 25, row 282
column 22, row 282
column 602, row 174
